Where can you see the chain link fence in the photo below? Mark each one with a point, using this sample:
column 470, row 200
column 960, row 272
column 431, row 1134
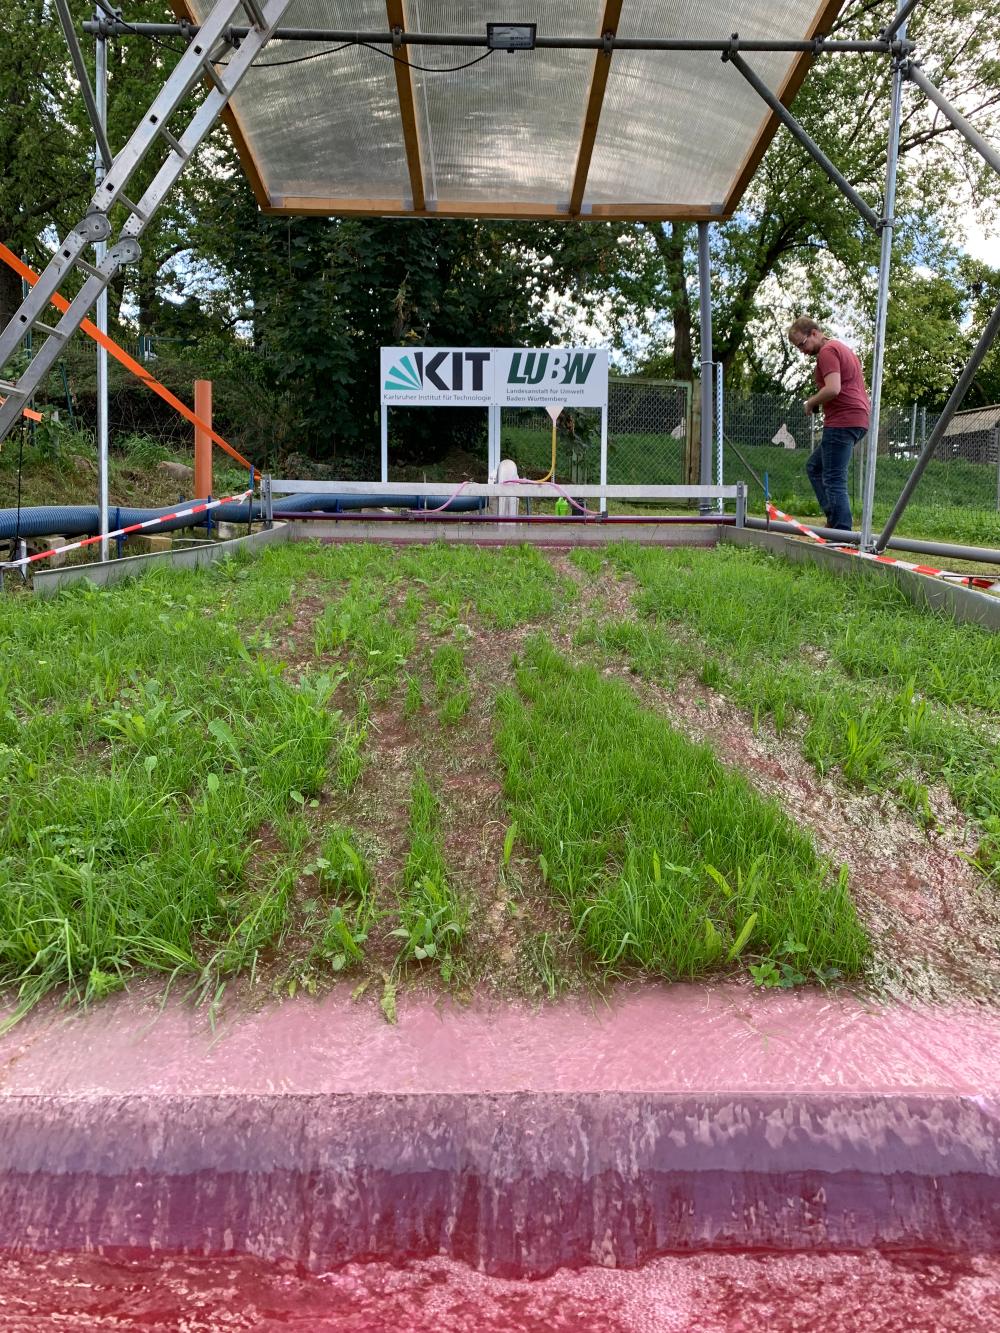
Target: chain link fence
column 649, row 424
column 767, row 439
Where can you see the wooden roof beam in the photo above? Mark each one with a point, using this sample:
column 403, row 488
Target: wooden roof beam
column 407, row 109
column 598, row 84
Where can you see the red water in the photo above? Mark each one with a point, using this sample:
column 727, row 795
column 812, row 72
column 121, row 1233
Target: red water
column 709, row 1293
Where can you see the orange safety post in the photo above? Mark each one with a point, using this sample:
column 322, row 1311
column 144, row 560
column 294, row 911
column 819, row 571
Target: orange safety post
column 203, row 439
column 112, row 348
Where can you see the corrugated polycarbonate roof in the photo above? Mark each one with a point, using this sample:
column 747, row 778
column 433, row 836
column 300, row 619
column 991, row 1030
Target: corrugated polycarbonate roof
column 526, row 134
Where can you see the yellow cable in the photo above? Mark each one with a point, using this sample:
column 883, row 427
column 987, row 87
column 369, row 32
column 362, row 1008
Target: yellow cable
column 552, row 467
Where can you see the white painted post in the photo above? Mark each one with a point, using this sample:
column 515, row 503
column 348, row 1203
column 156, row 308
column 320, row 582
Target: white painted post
column 604, row 457
column 384, row 418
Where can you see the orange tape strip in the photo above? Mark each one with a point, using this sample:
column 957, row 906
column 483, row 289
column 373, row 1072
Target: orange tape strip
column 112, row 348
column 27, row 412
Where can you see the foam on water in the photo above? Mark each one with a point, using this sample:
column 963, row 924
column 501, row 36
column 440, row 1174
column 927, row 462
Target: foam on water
column 709, row 1293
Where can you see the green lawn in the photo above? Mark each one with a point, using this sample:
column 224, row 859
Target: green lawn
column 336, row 760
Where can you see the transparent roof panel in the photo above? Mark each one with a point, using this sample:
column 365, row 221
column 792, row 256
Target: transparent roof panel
column 329, row 127
column 340, row 133
column 677, row 126
column 510, row 127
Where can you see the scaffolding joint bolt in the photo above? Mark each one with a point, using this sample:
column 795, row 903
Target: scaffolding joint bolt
column 94, row 227
column 397, row 38
column 607, row 41
column 127, row 251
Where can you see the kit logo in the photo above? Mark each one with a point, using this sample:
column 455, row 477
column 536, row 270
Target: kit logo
column 448, row 371
column 550, row 367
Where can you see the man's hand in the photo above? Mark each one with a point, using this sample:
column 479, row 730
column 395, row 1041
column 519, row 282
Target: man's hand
column 810, row 407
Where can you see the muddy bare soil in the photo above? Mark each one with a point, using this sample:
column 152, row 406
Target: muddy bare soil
column 933, row 918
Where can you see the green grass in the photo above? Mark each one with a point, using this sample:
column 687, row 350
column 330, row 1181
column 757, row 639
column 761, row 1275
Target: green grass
column 885, row 691
column 143, row 749
column 665, row 861
column 433, row 918
column 183, row 760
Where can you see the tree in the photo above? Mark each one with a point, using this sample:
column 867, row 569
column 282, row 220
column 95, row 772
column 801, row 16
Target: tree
column 796, row 235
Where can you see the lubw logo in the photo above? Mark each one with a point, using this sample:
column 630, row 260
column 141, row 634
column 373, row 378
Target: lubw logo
column 550, row 367
column 438, row 370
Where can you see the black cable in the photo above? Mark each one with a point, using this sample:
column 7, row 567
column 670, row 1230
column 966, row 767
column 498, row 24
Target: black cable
column 298, row 60
column 332, row 51
column 427, row 69
column 116, row 16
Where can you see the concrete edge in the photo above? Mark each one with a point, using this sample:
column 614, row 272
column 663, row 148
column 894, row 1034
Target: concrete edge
column 504, row 534
column 518, row 1185
column 964, row 605
column 46, row 583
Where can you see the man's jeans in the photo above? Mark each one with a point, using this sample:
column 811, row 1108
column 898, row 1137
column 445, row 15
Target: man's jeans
column 827, row 467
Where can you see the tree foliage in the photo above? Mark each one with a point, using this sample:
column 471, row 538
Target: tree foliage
column 298, row 308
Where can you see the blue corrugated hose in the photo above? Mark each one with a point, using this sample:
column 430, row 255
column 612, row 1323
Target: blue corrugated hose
column 84, row 520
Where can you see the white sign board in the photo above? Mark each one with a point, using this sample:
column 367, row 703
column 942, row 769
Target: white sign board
column 437, row 376
column 576, row 376
column 485, row 377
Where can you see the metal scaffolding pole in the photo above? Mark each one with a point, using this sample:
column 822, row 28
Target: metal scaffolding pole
column 985, row 150
column 605, row 42
column 903, row 12
column 882, row 304
column 796, row 130
column 101, row 249
column 707, row 360
column 941, row 425
column 90, row 101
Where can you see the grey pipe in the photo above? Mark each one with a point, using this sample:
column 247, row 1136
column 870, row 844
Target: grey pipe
column 985, row 555
column 707, row 359
column 903, row 12
column 797, row 132
column 96, row 120
column 985, row 150
column 882, row 302
column 815, row 46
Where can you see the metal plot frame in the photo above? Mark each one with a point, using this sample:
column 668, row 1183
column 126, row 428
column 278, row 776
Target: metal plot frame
column 219, row 36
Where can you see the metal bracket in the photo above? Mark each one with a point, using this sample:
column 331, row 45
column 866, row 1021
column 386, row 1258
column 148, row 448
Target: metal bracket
column 94, row 227
column 607, row 42
column 127, row 251
column 397, row 38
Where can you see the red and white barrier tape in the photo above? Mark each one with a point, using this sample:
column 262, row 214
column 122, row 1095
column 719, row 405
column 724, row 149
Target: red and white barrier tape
column 132, row 527
column 779, row 516
column 971, row 580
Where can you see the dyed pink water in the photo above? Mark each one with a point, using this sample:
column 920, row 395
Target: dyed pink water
column 672, row 1039
column 672, row 1119
column 716, row 1293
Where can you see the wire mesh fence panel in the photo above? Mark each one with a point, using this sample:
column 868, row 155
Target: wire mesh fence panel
column 648, row 426
column 526, row 438
column 649, row 422
column 768, row 439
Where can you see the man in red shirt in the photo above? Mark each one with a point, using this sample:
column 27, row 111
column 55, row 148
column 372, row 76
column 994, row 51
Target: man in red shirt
column 841, row 393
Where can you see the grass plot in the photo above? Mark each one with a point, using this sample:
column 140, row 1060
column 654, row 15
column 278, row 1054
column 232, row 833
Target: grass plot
column 665, row 860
